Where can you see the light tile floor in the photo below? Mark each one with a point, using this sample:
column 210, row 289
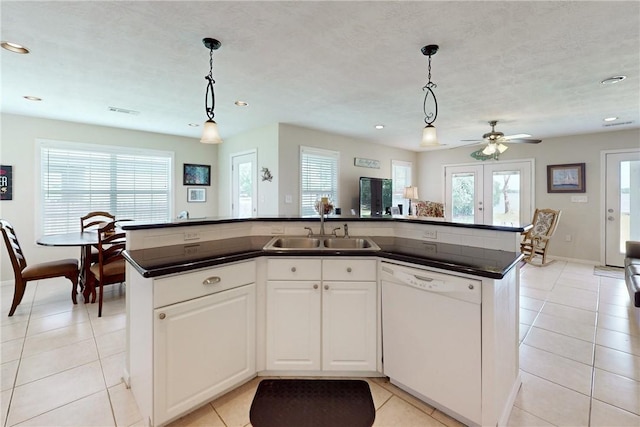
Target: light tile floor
column 579, row 356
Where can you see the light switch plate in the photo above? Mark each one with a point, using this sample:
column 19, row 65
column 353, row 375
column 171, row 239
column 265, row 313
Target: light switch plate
column 579, row 199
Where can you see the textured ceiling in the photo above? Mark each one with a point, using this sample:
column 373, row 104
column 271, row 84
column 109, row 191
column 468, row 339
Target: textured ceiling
column 342, row 67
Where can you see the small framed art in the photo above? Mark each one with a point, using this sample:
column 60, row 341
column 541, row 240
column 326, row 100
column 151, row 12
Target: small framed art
column 196, row 195
column 569, row 178
column 196, row 174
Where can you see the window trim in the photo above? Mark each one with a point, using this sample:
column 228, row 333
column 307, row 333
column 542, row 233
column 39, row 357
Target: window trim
column 400, row 163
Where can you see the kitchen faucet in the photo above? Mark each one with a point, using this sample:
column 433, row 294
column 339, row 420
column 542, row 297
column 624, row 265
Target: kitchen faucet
column 346, row 231
column 322, row 217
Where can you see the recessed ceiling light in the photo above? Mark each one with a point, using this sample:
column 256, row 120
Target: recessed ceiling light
column 32, row 98
column 379, row 126
column 14, row 47
column 241, row 103
column 194, row 125
column 613, row 80
column 610, row 119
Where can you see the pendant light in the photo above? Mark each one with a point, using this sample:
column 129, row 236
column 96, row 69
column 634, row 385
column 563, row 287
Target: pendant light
column 210, row 134
column 429, row 138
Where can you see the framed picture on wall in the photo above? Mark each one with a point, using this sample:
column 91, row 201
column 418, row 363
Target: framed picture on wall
column 196, row 195
column 196, row 174
column 569, row 178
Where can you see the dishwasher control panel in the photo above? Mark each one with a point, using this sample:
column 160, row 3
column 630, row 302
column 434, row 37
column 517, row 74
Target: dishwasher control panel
column 431, row 281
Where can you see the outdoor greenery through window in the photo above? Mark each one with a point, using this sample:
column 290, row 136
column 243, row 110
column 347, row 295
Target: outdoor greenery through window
column 79, row 178
column 318, row 177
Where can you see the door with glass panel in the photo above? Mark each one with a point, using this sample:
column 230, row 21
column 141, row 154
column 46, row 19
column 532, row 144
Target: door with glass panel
column 244, row 188
column 622, row 204
column 494, row 194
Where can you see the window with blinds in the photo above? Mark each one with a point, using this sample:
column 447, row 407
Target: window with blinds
column 79, row 178
column 318, row 177
column 401, row 178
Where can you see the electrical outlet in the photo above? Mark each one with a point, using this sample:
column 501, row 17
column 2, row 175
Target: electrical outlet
column 288, row 198
column 191, row 249
column 191, row 235
column 277, row 229
column 430, row 234
column 567, row 238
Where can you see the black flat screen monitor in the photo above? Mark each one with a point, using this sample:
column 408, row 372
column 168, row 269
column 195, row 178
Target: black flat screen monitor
column 375, row 196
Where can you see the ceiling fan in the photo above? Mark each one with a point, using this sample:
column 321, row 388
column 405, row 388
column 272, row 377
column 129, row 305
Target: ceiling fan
column 496, row 141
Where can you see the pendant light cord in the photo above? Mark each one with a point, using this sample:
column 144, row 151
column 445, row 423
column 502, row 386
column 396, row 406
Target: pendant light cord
column 209, row 78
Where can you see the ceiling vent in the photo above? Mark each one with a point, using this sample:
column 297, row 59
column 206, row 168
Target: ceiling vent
column 123, row 111
column 607, row 125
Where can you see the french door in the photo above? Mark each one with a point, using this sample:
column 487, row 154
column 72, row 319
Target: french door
column 244, row 184
column 495, row 194
column 622, row 203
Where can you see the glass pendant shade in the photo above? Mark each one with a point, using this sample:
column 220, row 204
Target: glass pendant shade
column 210, row 134
column 502, row 148
column 489, row 149
column 429, row 137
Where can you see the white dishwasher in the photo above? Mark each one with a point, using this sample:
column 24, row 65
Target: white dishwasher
column 431, row 337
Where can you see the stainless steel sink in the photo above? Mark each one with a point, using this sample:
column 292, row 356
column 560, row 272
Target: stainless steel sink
column 351, row 243
column 295, row 243
column 320, row 243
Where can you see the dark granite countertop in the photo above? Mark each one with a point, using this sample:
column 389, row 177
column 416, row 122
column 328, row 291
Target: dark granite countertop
column 156, row 262
column 332, row 218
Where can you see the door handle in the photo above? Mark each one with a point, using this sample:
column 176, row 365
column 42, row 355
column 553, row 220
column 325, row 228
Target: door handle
column 610, row 218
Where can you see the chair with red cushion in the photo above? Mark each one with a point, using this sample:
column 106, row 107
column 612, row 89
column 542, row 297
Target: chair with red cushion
column 24, row 273
column 110, row 268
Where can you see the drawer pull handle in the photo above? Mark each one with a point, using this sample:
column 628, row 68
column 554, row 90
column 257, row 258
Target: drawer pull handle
column 211, row 280
column 162, row 316
column 293, row 269
column 348, row 269
column 315, row 286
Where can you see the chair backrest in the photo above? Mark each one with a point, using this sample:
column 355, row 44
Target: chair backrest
column 16, row 255
column 95, row 219
column 545, row 222
column 111, row 243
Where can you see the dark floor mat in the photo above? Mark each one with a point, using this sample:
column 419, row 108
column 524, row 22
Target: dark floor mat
column 312, row 403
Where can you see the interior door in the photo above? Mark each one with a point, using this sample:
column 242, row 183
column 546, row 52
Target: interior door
column 496, row 193
column 622, row 204
column 244, row 185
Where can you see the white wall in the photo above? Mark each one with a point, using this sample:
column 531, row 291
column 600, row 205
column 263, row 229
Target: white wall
column 17, row 148
column 580, row 220
column 265, row 141
column 292, row 137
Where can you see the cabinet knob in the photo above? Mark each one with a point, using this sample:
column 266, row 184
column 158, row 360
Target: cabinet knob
column 315, row 286
column 470, row 286
column 293, row 269
column 162, row 316
column 348, row 269
column 326, row 287
column 211, row 280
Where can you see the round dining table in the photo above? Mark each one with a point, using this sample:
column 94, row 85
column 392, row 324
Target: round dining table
column 85, row 240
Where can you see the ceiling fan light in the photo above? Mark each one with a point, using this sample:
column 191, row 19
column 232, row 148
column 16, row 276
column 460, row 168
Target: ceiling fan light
column 429, row 137
column 502, row 148
column 489, row 149
column 210, row 134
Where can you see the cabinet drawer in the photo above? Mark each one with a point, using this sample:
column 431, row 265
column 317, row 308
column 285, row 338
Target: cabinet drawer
column 187, row 286
column 294, row 269
column 349, row 269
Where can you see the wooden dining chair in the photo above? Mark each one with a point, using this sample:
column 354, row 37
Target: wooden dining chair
column 536, row 240
column 24, row 273
column 93, row 221
column 110, row 268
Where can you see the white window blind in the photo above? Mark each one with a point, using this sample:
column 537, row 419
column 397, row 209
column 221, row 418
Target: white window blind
column 79, row 178
column 318, row 177
column 401, row 178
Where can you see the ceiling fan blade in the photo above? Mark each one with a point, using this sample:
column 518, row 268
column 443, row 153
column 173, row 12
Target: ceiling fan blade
column 529, row 141
column 471, row 140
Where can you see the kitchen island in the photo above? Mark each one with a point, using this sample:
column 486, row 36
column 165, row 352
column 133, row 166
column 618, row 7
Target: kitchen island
column 209, row 308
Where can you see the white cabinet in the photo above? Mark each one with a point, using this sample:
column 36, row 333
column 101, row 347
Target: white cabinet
column 321, row 314
column 195, row 342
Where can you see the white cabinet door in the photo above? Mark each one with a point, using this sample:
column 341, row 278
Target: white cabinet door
column 349, row 326
column 202, row 347
column 293, row 325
